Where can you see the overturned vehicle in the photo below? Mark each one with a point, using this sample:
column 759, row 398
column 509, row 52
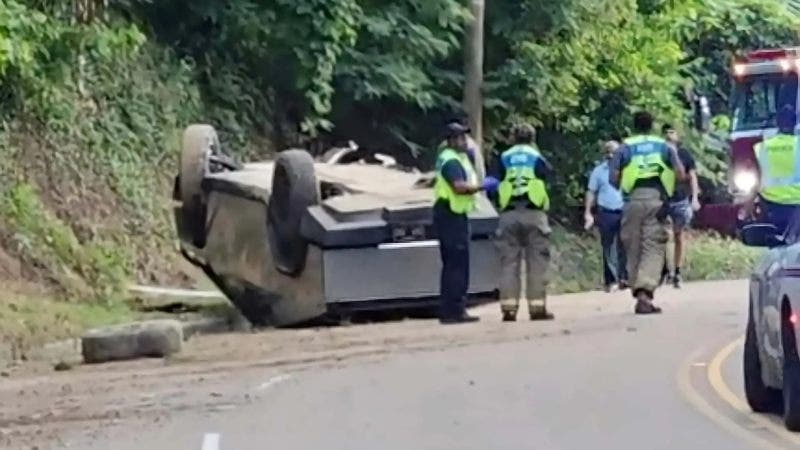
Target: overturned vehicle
column 297, row 239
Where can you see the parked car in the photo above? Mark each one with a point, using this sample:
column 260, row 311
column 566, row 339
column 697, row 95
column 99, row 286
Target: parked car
column 771, row 362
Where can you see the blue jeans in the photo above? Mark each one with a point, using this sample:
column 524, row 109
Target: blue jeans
column 614, row 261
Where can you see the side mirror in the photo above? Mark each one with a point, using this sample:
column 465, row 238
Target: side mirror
column 761, row 235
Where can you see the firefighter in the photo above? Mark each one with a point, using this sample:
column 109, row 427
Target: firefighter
column 523, row 233
column 779, row 169
column 455, row 189
column 645, row 169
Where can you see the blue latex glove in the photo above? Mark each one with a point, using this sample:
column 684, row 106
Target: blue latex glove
column 490, row 184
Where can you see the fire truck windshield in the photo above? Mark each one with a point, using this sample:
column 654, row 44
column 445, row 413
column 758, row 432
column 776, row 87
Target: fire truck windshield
column 756, row 98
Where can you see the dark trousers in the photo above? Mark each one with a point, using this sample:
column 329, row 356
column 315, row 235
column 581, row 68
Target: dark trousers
column 781, row 215
column 453, row 233
column 614, row 261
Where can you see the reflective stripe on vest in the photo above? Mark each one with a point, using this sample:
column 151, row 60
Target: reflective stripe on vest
column 648, row 160
column 520, row 166
column 459, row 204
column 780, row 169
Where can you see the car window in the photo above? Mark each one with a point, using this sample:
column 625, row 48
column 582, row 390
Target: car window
column 757, row 98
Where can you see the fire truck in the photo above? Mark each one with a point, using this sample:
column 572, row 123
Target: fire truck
column 763, row 82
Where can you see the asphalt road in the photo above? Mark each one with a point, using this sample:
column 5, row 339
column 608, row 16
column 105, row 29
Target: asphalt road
column 598, row 377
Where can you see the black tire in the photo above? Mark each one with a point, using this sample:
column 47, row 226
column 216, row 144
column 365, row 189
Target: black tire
column 198, row 144
column 760, row 397
column 791, row 373
column 294, row 189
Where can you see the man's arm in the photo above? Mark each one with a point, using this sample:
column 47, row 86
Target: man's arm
column 615, row 166
column 677, row 164
column 591, row 197
column 690, row 166
column 454, row 174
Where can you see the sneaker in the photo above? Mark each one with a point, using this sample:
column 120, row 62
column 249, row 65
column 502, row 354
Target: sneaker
column 452, row 320
column 509, row 316
column 677, row 280
column 608, row 288
column 623, row 285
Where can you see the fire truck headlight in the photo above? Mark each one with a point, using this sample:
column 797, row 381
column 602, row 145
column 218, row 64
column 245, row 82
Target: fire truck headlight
column 745, row 181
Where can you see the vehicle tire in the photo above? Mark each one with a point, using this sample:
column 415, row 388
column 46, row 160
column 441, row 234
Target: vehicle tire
column 760, row 397
column 791, row 374
column 294, row 189
column 198, row 144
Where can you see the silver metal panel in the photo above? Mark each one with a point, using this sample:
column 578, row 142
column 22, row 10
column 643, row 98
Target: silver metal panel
column 400, row 270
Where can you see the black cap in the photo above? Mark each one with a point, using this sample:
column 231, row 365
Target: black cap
column 455, row 129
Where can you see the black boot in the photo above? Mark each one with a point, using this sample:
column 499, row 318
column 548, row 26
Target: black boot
column 644, row 303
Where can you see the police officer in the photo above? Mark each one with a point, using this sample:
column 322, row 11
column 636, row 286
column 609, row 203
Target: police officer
column 645, row 168
column 523, row 202
column 779, row 167
column 455, row 189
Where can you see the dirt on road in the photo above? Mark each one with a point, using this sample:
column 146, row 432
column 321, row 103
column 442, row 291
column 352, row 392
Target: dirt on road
column 43, row 409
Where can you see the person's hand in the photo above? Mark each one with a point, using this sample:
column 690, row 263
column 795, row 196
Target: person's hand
column 588, row 221
column 490, row 184
column 696, row 204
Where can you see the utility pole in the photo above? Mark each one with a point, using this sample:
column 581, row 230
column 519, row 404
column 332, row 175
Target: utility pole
column 473, row 84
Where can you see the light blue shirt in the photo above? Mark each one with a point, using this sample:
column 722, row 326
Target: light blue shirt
column 608, row 196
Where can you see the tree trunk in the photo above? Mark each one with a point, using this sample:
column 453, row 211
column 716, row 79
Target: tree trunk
column 473, row 67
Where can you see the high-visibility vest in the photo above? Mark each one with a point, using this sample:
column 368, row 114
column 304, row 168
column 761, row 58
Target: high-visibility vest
column 459, row 203
column 780, row 169
column 648, row 160
column 520, row 167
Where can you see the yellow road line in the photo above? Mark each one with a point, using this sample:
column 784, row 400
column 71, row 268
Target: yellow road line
column 721, row 388
column 701, row 404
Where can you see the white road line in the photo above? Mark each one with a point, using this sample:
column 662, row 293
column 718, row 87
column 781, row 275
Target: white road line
column 211, row 441
column 273, row 381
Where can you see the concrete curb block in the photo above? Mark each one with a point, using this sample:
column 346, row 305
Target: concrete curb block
column 66, row 351
column 70, row 351
column 213, row 325
column 154, row 338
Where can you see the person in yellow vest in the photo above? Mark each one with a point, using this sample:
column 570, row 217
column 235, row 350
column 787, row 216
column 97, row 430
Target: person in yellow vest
column 455, row 188
column 779, row 169
column 524, row 231
column 645, row 168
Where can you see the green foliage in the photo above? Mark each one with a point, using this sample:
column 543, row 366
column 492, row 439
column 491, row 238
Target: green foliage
column 97, row 269
column 88, row 128
column 577, row 264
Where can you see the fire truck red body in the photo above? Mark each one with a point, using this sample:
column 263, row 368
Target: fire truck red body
column 763, row 82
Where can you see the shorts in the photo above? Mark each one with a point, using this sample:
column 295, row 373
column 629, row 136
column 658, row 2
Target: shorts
column 681, row 214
